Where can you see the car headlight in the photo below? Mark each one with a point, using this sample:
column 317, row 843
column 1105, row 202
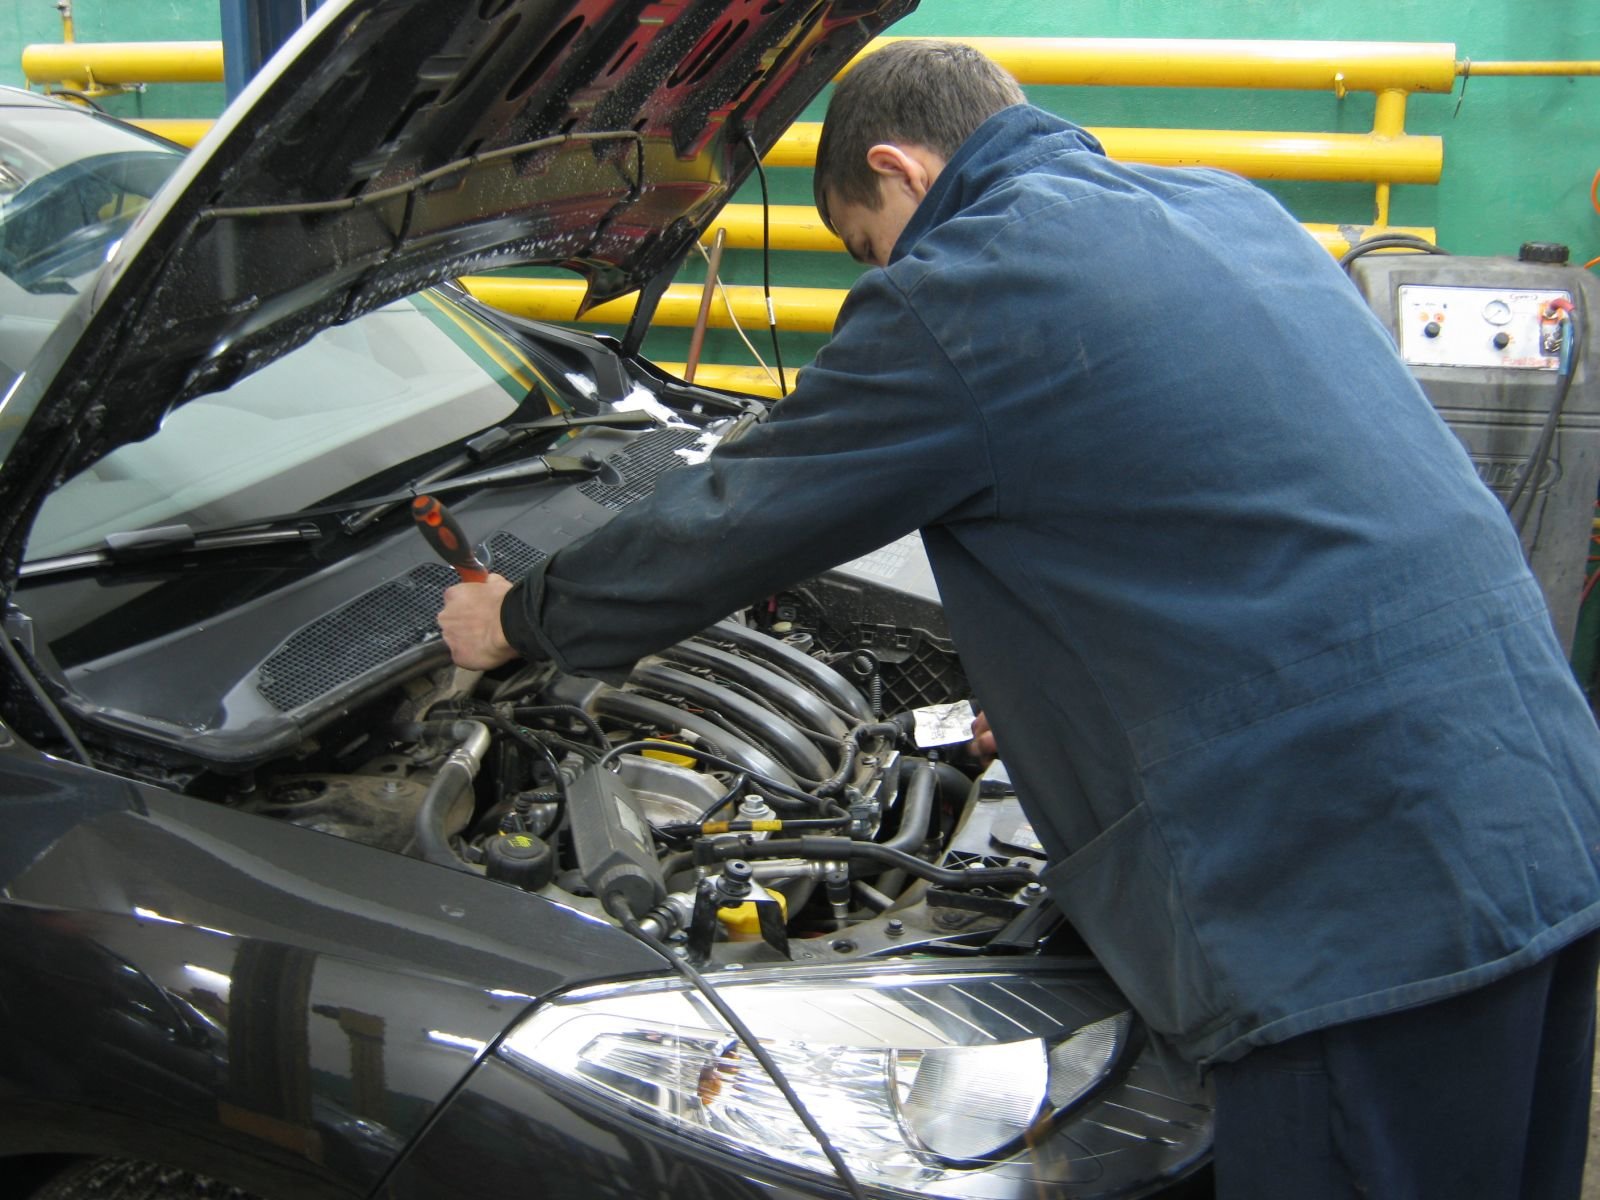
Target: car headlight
column 920, row 1078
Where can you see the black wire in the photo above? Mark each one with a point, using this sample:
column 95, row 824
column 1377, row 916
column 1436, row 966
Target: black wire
column 1388, row 241
column 564, row 710
column 766, row 261
column 745, row 1035
column 476, row 711
column 734, row 789
column 848, row 746
column 834, row 849
column 1547, row 432
column 81, row 97
column 586, row 752
column 667, row 696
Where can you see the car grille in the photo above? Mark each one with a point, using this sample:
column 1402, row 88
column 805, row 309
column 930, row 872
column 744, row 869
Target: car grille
column 374, row 628
column 646, row 459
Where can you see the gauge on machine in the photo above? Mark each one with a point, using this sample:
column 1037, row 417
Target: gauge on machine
column 1497, row 312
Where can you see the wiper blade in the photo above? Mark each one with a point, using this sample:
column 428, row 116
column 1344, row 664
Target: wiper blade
column 167, row 541
column 164, row 541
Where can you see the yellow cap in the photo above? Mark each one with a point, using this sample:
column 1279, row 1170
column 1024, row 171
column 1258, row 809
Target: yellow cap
column 743, row 922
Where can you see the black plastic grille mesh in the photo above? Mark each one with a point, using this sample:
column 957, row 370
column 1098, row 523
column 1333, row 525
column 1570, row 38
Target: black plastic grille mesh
column 924, row 675
column 373, row 628
column 649, row 457
column 928, row 675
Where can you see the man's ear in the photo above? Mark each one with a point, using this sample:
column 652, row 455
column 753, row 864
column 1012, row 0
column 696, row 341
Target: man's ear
column 909, row 168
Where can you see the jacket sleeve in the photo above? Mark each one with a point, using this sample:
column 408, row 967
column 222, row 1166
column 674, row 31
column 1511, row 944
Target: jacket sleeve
column 880, row 437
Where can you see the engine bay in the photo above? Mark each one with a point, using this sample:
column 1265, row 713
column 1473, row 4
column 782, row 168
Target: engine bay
column 738, row 796
column 757, row 791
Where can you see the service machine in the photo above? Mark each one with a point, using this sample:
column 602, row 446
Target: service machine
column 1508, row 352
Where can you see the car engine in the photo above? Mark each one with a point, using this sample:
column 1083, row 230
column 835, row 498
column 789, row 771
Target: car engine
column 739, row 795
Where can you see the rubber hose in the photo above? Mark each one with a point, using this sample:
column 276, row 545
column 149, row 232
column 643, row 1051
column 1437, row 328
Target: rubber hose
column 452, row 781
column 848, row 747
column 836, row 849
column 915, row 810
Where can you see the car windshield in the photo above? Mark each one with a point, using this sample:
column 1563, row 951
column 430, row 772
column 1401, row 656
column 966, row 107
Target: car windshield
column 356, row 401
column 70, row 185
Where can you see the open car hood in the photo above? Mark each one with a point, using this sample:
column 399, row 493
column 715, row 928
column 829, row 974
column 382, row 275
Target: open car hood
column 394, row 144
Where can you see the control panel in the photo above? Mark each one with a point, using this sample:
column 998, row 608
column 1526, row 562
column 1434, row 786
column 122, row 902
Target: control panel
column 1481, row 327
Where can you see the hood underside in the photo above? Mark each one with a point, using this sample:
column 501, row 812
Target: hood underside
column 394, row 144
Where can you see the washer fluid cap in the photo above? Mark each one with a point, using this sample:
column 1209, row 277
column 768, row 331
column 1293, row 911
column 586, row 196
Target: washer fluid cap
column 1544, row 252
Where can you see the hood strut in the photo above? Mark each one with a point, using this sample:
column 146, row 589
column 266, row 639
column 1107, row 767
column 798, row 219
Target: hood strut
column 645, row 310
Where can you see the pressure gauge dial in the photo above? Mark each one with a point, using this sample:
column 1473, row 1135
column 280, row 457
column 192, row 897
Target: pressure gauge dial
column 1497, row 312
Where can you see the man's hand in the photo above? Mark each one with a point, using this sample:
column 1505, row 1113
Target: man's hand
column 470, row 622
column 982, row 746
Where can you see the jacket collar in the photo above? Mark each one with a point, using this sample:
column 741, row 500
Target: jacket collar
column 1003, row 146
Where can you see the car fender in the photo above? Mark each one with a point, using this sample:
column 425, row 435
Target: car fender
column 285, row 1009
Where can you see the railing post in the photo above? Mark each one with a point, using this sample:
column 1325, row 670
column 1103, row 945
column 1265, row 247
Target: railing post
column 252, row 31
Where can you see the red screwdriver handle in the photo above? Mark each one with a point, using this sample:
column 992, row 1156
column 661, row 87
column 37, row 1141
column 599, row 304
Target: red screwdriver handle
column 448, row 541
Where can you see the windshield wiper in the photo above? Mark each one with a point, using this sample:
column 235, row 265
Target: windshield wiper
column 165, row 541
column 544, row 466
column 487, row 444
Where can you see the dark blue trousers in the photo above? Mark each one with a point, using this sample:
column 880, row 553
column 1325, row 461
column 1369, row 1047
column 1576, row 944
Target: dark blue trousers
column 1484, row 1096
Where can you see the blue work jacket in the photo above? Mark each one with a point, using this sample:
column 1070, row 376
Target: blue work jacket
column 1262, row 654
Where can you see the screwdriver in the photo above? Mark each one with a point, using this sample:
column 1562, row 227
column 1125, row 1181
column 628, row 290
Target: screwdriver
column 444, row 534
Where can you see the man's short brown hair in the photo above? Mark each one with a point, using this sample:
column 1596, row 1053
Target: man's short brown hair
column 917, row 92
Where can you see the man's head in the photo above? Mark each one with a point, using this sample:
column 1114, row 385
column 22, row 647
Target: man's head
column 893, row 122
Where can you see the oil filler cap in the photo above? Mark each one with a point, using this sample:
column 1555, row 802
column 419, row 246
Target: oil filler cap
column 1544, row 252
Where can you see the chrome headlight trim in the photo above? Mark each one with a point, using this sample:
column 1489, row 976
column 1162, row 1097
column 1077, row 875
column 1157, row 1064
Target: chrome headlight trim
column 928, row 1078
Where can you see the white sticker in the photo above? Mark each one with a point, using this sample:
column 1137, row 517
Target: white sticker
column 944, row 724
column 698, row 453
column 641, row 399
column 631, row 821
column 583, row 385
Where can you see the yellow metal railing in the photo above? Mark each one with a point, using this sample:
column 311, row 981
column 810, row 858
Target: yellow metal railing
column 1218, row 63
column 1386, row 156
column 95, row 67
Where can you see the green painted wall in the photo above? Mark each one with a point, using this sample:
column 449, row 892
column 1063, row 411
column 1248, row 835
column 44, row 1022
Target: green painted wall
column 24, row 22
column 1519, row 153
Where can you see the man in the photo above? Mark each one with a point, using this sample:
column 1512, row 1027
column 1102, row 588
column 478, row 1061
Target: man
column 1276, row 687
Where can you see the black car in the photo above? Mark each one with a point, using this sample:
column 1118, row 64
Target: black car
column 292, row 907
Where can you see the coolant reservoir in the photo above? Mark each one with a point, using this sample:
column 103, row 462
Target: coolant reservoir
column 743, row 922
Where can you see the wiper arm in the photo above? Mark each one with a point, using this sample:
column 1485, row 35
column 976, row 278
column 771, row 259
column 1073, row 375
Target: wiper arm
column 545, row 466
column 490, row 442
column 166, row 541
